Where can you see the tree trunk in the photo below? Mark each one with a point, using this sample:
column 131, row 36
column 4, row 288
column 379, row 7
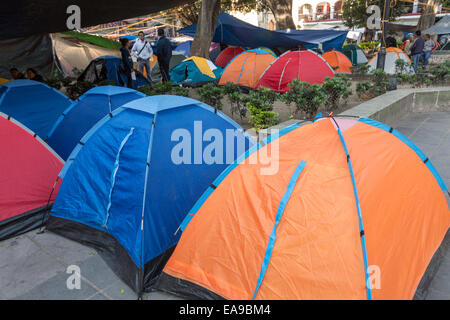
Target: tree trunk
column 428, row 15
column 206, row 27
column 282, row 11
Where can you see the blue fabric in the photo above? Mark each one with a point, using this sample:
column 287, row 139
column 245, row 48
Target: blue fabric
column 232, row 31
column 273, row 234
column 110, row 187
column 358, row 208
column 184, row 47
column 410, row 144
column 34, row 104
column 84, row 113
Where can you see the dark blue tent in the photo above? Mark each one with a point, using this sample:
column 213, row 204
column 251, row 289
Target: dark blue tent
column 145, row 165
column 107, row 68
column 34, row 104
column 84, row 113
column 232, row 31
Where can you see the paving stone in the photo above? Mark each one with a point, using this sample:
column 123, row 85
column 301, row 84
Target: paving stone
column 436, row 295
column 96, row 271
column 56, row 289
column 120, row 291
column 65, row 250
column 23, row 266
column 158, row 295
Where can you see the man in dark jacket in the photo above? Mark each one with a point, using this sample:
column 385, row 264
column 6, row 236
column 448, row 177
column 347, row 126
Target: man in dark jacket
column 417, row 49
column 391, row 42
column 127, row 62
column 164, row 54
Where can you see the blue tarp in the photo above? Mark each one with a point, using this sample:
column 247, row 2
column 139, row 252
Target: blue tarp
column 127, row 170
column 184, row 48
column 84, row 113
column 34, row 104
column 232, row 31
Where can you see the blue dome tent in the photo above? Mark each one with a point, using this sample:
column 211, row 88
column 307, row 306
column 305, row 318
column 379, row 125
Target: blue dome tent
column 107, row 68
column 85, row 113
column 125, row 173
column 184, row 48
column 32, row 103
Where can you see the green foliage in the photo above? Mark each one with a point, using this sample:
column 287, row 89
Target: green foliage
column 212, row 95
column 336, row 89
column 234, row 95
column 363, row 87
column 354, row 12
column 400, row 66
column 360, row 69
column 369, row 45
column 260, row 106
column 78, row 88
column 180, row 91
column 162, row 88
column 306, row 97
column 260, row 118
column 380, row 81
column 440, row 72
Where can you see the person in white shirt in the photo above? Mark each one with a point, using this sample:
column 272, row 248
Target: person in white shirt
column 143, row 52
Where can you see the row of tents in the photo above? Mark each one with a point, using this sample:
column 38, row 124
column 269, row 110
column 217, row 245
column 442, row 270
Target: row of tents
column 307, row 231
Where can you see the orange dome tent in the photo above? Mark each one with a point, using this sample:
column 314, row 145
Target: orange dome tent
column 246, row 68
column 227, row 55
column 351, row 202
column 338, row 61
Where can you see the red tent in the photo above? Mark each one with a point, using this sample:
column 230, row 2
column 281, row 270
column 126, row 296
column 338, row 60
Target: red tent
column 227, row 55
column 304, row 65
column 28, row 171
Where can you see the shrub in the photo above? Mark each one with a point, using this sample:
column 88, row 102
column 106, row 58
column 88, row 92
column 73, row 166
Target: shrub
column 306, row 97
column 180, row 91
column 380, row 81
column 162, row 88
column 363, row 87
column 336, row 89
column 262, row 119
column 212, row 95
column 440, row 72
column 360, row 69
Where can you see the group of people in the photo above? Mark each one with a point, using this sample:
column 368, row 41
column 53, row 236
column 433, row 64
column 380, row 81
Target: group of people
column 419, row 49
column 31, row 74
column 140, row 56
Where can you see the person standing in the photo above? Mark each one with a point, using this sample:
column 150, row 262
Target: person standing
column 408, row 45
column 143, row 52
column 391, row 42
column 417, row 49
column 427, row 49
column 127, row 62
column 164, row 54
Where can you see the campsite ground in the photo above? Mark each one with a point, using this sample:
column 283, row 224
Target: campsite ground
column 33, row 266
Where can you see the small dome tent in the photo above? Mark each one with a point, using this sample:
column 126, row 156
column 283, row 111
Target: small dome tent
column 355, row 54
column 246, row 68
column 304, row 65
column 144, row 165
column 338, row 61
column 195, row 71
column 28, row 171
column 392, row 55
column 107, row 68
column 32, row 103
column 227, row 55
column 84, row 113
column 349, row 196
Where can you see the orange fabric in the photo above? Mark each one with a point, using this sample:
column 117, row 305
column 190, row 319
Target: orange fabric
column 404, row 210
column 338, row 61
column 317, row 253
column 246, row 69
